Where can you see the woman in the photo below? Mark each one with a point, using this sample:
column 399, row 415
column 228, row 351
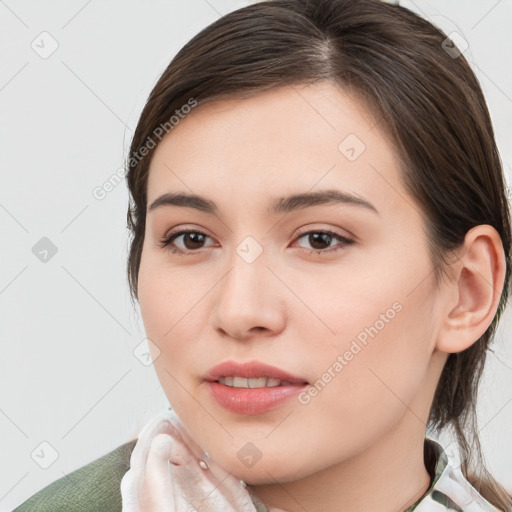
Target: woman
column 321, row 253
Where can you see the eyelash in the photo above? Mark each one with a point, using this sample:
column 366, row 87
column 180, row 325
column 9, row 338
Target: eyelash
column 167, row 241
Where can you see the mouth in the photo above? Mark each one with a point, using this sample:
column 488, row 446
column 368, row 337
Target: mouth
column 252, row 374
column 259, row 382
column 252, row 388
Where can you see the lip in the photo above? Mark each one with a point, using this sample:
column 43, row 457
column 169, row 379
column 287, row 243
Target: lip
column 251, row 370
column 252, row 401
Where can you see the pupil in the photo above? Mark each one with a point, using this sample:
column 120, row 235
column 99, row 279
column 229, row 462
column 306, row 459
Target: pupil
column 192, row 236
column 194, row 240
column 321, row 236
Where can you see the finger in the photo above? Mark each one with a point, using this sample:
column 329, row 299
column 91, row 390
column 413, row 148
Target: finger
column 181, row 453
column 157, row 489
column 166, row 453
column 138, row 458
column 196, row 450
column 203, row 490
column 214, row 479
column 237, row 496
column 184, row 482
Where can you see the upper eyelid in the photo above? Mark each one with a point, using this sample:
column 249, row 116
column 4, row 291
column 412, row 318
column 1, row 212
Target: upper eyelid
column 302, row 232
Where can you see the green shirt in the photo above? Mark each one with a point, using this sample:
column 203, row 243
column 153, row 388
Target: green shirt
column 94, row 487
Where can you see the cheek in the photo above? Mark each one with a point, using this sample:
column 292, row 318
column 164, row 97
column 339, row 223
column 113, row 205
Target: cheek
column 167, row 310
column 166, row 296
column 382, row 377
column 376, row 356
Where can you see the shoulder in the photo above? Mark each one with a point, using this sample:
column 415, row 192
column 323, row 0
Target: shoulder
column 94, row 487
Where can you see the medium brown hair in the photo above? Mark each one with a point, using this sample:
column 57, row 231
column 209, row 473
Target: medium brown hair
column 426, row 99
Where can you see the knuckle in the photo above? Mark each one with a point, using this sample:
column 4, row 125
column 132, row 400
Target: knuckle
column 161, row 443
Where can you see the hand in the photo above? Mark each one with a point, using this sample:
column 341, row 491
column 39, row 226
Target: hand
column 173, row 480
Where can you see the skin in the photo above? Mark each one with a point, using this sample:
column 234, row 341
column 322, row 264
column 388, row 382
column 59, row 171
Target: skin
column 359, row 441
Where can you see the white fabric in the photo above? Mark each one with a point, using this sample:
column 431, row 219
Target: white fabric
column 454, row 485
column 182, row 485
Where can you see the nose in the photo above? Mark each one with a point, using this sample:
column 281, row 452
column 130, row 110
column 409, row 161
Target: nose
column 250, row 299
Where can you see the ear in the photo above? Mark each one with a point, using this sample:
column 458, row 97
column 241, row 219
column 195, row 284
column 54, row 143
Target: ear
column 479, row 275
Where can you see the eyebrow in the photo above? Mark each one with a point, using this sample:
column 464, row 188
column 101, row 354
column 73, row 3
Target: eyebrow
column 277, row 206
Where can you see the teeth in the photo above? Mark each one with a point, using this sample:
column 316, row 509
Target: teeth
column 260, row 382
column 240, row 382
column 228, row 381
column 257, row 383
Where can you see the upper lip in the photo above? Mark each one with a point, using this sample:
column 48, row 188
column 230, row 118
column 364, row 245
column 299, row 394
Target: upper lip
column 251, row 370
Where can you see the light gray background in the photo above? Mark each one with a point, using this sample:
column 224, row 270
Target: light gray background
column 68, row 373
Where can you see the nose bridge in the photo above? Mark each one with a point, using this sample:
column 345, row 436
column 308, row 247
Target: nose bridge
column 247, row 265
column 246, row 297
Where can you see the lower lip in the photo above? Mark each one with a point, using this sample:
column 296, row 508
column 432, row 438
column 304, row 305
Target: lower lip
column 251, row 401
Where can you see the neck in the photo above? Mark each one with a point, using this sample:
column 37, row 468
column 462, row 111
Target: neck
column 389, row 476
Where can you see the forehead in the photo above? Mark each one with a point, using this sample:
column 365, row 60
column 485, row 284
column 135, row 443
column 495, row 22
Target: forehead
column 294, row 138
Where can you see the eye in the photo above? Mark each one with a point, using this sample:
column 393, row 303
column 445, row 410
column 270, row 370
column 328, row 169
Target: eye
column 319, row 239
column 194, row 240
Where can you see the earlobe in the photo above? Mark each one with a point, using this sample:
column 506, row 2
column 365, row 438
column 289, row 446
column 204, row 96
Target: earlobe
column 477, row 287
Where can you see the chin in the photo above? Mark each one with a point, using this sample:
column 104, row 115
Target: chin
column 268, row 471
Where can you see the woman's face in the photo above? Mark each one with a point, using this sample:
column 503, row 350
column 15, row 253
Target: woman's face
column 336, row 293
